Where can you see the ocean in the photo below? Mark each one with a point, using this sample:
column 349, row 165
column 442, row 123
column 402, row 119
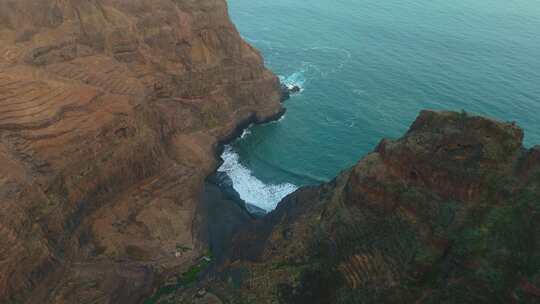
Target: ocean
column 366, row 68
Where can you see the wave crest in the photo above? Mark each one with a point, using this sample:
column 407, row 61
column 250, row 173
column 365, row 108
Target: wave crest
column 296, row 79
column 250, row 188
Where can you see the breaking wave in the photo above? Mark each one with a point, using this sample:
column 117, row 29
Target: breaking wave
column 250, row 188
column 296, row 79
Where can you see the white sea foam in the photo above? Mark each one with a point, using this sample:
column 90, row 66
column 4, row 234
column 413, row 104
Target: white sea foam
column 276, row 121
column 245, row 133
column 296, row 79
column 340, row 58
column 250, row 188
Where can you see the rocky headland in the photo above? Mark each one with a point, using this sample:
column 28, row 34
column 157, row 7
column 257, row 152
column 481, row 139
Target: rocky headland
column 448, row 213
column 112, row 117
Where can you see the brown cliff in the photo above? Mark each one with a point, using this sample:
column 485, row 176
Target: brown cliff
column 449, row 213
column 110, row 115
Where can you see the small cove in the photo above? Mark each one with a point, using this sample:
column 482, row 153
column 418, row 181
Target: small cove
column 366, row 68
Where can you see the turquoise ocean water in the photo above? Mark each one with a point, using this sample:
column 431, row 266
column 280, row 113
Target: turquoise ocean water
column 367, row 67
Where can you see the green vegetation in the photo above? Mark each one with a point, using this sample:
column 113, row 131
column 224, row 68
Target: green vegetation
column 209, row 117
column 317, row 284
column 192, row 274
column 446, row 252
column 187, row 278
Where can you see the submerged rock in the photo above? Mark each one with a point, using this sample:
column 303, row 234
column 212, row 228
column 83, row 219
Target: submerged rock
column 288, row 90
column 285, row 92
column 295, row 89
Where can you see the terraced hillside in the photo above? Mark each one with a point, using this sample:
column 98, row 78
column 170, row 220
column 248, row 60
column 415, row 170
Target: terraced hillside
column 110, row 112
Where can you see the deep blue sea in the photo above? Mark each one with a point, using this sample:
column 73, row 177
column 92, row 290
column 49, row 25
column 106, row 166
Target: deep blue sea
column 367, row 67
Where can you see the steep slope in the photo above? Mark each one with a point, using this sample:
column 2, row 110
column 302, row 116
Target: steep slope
column 110, row 112
column 449, row 213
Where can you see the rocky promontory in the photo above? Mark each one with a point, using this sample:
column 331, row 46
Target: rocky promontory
column 448, row 213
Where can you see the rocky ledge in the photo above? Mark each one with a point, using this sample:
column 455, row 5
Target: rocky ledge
column 449, row 213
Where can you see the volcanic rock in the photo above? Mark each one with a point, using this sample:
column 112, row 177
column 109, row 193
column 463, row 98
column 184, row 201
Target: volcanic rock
column 111, row 111
column 448, row 213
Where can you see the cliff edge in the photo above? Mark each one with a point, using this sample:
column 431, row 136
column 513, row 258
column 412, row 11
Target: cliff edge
column 449, row 213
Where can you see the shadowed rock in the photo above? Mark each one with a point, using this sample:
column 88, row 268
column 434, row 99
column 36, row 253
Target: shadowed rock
column 448, row 213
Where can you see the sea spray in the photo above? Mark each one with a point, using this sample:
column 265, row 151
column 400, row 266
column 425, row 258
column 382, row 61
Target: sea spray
column 296, row 79
column 250, row 188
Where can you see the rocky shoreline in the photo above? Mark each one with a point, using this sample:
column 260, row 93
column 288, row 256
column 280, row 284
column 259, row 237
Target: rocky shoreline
column 411, row 213
column 288, row 90
column 403, row 225
column 225, row 184
column 221, row 180
column 224, row 212
column 227, row 211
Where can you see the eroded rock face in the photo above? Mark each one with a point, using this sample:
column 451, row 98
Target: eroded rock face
column 449, row 213
column 109, row 118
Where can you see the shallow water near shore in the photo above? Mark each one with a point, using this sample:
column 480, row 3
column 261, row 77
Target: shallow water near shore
column 366, row 68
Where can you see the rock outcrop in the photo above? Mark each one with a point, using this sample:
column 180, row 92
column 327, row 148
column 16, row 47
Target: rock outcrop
column 449, row 213
column 288, row 90
column 110, row 114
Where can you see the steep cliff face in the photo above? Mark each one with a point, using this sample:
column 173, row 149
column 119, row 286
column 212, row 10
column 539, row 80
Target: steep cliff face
column 449, row 213
column 110, row 114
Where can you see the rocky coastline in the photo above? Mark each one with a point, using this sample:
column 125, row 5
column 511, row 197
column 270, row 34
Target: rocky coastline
column 227, row 211
column 114, row 116
column 411, row 213
column 220, row 179
column 407, row 224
